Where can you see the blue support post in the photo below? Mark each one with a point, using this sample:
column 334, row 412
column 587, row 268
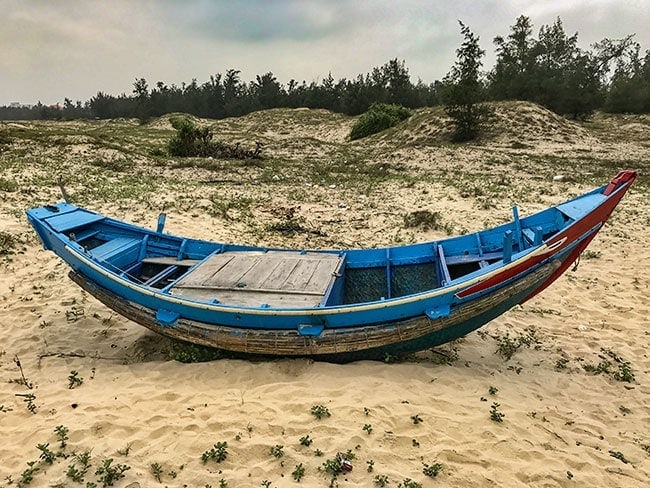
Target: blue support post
column 507, row 246
column 161, row 222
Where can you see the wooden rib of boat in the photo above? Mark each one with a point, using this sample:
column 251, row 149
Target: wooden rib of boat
column 328, row 304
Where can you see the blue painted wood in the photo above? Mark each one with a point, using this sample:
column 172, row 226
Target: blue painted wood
column 116, row 265
column 518, row 236
column 507, row 246
column 161, row 223
column 167, row 318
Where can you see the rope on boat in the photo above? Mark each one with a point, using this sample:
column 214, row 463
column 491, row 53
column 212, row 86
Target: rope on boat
column 576, row 263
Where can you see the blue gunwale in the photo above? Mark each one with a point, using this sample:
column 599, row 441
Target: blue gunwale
column 112, row 254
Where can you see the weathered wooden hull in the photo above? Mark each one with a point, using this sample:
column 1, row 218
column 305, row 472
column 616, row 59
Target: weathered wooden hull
column 372, row 342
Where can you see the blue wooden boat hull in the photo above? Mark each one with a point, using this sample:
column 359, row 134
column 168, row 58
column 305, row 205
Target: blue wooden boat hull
column 329, row 304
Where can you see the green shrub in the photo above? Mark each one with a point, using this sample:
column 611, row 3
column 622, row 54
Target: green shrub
column 380, row 116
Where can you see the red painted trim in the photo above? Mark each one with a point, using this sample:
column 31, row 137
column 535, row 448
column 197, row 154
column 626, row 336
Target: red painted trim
column 619, row 180
column 563, row 240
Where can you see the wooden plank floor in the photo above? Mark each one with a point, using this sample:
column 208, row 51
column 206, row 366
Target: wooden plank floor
column 275, row 278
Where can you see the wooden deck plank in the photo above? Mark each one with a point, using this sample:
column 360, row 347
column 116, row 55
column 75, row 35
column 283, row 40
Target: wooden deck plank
column 289, row 279
column 301, row 275
column 205, row 271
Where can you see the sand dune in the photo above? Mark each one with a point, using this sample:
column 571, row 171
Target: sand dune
column 564, row 424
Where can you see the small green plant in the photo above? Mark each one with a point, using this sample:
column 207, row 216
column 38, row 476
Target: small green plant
column 318, row 453
column 320, row 411
column 381, row 480
column 277, row 451
column 366, row 411
column 432, row 470
column 125, row 451
column 223, row 483
column 416, row 419
column 332, row 467
column 371, row 465
column 493, row 390
column 306, row 441
column 156, row 471
column 624, row 410
column 74, row 379
column 265, row 483
column 109, row 473
column 409, row 483
column 78, row 468
column 27, row 476
column 62, row 435
column 218, row 453
column 298, row 473
column 415, row 443
column 47, row 456
column 618, row 455
column 561, row 363
column 569, row 475
column 495, row 414
column 28, row 398
column 367, row 428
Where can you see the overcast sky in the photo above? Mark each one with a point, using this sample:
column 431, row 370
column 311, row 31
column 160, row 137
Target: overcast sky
column 51, row 49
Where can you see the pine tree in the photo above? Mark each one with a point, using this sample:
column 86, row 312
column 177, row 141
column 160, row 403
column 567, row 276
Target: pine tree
column 464, row 91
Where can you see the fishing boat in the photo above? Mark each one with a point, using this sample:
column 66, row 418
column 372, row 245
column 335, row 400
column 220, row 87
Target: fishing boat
column 336, row 305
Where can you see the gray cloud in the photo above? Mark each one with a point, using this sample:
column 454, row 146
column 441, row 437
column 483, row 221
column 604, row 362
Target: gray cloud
column 65, row 48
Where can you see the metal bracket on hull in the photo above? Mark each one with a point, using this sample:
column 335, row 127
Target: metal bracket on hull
column 165, row 318
column 310, row 330
column 438, row 312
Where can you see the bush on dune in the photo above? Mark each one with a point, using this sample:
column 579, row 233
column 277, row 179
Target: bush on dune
column 380, row 116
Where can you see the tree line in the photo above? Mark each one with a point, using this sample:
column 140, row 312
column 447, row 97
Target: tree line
column 550, row 69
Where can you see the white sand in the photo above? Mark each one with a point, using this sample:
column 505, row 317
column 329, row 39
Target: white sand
column 559, row 427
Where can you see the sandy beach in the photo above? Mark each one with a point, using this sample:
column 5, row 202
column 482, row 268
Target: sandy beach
column 574, row 395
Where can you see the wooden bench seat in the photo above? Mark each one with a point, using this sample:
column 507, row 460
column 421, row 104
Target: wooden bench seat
column 120, row 251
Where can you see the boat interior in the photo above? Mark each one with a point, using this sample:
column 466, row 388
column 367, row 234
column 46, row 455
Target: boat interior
column 258, row 277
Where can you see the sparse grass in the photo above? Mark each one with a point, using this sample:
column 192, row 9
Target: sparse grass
column 416, row 419
column 613, row 365
column 507, row 346
column 8, row 243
